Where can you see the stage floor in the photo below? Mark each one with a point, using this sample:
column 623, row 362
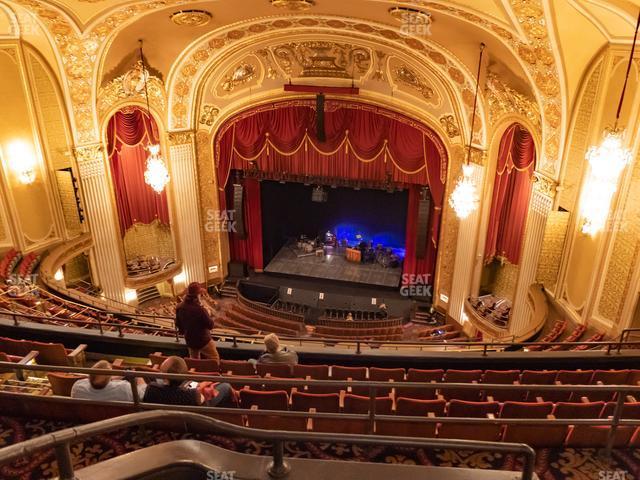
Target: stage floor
column 333, row 266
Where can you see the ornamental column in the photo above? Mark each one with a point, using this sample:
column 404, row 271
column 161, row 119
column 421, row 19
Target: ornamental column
column 184, row 179
column 465, row 255
column 106, row 252
column 540, row 206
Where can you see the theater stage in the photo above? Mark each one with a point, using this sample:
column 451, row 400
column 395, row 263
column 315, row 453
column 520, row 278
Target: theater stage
column 333, row 266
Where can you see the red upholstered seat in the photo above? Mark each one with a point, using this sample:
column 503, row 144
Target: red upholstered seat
column 322, row 402
column 282, row 370
column 386, row 375
column 422, row 376
column 360, row 404
column 414, row 408
column 503, row 377
column 570, row 410
column 533, row 435
column 461, row 376
column 468, row 431
column 315, row 372
column 202, row 365
column 278, row 400
column 354, row 373
column 237, row 367
column 603, row 377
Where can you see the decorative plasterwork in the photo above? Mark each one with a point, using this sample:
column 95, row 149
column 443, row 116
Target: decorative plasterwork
column 450, row 125
column 241, row 74
column 180, row 138
column 322, row 59
column 410, row 77
column 191, row 18
column 185, row 75
column 295, row 5
column 208, row 115
column 503, row 100
column 544, row 185
column 130, row 86
column 538, row 58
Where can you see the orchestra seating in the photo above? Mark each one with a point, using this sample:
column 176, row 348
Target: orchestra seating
column 48, row 353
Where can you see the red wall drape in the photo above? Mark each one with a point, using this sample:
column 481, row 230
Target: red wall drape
column 248, row 249
column 129, row 132
column 362, row 142
column 511, row 194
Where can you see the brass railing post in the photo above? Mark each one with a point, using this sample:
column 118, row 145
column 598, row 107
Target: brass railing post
column 278, row 468
column 65, row 464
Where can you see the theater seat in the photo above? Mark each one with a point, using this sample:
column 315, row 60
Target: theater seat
column 568, row 377
column 385, row 375
column 202, row 364
column 571, row 410
column 315, row 372
column 321, row 402
column 354, row 373
column 597, row 436
column 461, row 376
column 603, row 377
column 62, row 383
column 503, row 377
column 537, row 377
column 278, row 400
column 533, row 435
column 237, row 367
column 282, row 370
column 422, row 376
column 407, row 407
column 467, row 431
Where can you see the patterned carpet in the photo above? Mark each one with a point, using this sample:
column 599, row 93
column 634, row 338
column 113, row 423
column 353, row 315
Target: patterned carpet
column 584, row 464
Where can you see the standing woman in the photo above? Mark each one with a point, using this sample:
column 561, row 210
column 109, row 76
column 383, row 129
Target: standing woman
column 194, row 322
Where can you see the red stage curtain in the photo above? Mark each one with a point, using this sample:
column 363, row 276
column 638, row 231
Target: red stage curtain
column 129, row 132
column 249, row 249
column 362, row 142
column 511, row 194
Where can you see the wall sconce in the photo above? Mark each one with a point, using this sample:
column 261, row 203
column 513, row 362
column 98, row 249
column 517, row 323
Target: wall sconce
column 59, row 275
column 22, row 161
column 130, row 295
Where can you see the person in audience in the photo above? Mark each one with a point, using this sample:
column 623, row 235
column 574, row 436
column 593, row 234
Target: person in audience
column 275, row 353
column 194, row 322
column 180, row 392
column 105, row 388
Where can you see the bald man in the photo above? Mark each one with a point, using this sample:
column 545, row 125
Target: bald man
column 104, row 388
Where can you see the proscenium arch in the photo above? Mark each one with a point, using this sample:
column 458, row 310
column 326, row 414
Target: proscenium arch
column 213, row 47
column 213, row 138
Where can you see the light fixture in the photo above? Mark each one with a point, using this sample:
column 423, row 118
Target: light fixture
column 156, row 175
column 59, row 275
column 22, row 161
column 296, row 5
column 464, row 199
column 606, row 163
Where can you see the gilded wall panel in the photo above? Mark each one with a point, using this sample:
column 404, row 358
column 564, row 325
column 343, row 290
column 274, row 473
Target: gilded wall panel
column 208, row 192
column 579, row 143
column 624, row 254
column 153, row 239
column 506, row 281
column 555, row 234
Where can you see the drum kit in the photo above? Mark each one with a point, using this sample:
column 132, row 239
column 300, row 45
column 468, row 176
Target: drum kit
column 368, row 254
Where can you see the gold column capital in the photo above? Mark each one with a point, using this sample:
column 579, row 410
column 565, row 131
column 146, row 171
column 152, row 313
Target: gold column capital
column 544, row 185
column 183, row 137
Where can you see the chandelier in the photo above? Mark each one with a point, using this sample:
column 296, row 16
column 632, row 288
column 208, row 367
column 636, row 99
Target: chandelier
column 464, row 199
column 156, row 174
column 606, row 163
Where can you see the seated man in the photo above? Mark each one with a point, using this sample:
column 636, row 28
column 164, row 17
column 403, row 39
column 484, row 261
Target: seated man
column 275, row 353
column 103, row 388
column 179, row 392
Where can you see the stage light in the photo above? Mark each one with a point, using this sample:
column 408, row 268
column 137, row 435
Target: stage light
column 22, row 161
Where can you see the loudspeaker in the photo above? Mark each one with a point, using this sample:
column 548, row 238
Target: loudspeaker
column 238, row 197
column 424, row 215
column 237, row 269
column 320, row 133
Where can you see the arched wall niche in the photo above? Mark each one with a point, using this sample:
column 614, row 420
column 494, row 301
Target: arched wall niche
column 501, row 278
column 137, row 239
column 498, row 131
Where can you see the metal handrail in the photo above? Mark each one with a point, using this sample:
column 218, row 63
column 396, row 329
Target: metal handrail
column 132, row 375
column 485, row 347
column 279, row 468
